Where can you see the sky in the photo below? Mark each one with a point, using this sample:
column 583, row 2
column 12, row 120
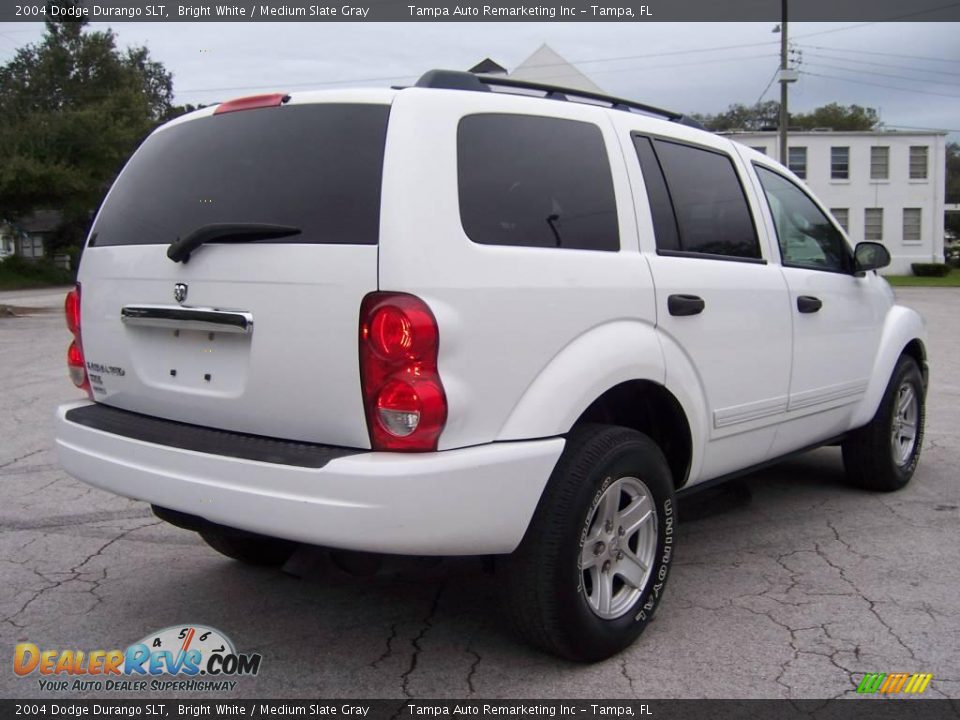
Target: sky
column 909, row 72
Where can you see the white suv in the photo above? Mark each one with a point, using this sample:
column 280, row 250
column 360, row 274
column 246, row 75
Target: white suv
column 474, row 317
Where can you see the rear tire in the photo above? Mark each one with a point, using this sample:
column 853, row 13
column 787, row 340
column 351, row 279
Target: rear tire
column 883, row 455
column 579, row 586
column 249, row 548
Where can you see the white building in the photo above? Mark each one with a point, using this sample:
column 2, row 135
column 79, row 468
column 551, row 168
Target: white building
column 883, row 185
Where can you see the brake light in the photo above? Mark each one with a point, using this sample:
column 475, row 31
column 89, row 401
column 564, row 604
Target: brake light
column 76, row 365
column 403, row 397
column 251, row 103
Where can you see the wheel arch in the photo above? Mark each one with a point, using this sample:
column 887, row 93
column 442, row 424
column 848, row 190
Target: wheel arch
column 649, row 408
column 903, row 333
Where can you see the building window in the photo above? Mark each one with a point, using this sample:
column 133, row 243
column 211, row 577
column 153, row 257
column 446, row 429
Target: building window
column 873, row 224
column 762, row 149
column 911, row 224
column 918, row 162
column 842, row 216
column 879, row 163
column 840, row 163
column 797, row 161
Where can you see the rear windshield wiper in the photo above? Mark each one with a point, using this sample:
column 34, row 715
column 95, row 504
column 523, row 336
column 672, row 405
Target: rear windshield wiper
column 180, row 249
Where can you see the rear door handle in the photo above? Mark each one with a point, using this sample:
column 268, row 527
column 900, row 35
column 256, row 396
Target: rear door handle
column 681, row 305
column 808, row 304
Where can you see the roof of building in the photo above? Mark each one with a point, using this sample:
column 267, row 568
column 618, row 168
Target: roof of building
column 547, row 66
column 40, row 221
column 488, row 67
column 827, row 132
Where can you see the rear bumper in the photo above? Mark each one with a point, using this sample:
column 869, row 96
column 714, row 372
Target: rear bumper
column 472, row 501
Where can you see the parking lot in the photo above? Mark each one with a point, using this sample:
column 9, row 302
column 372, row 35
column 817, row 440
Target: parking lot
column 786, row 584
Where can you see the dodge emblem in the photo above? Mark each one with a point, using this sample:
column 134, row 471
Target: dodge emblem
column 180, row 292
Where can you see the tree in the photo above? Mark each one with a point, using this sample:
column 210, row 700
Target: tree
column 766, row 116
column 952, row 219
column 73, row 107
column 837, row 117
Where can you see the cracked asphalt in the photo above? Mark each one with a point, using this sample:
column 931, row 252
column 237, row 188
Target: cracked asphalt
column 786, row 584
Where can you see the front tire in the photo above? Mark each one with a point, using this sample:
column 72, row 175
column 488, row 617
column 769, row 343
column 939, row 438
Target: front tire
column 883, row 454
column 248, row 548
column 591, row 569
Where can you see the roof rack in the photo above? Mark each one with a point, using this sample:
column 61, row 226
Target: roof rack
column 458, row 80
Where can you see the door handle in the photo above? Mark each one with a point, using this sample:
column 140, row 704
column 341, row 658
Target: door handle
column 682, row 305
column 808, row 304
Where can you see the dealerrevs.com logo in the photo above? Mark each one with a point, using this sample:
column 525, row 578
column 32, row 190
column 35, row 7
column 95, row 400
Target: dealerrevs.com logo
column 178, row 658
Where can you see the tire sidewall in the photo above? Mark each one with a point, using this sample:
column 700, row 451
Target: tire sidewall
column 595, row 636
column 906, row 371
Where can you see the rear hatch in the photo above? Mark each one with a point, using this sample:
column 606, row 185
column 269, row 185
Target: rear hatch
column 254, row 334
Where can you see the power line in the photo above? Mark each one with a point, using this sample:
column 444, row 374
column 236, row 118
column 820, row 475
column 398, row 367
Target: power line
column 772, row 78
column 884, row 54
column 888, row 87
column 883, row 65
column 875, row 22
column 414, row 75
column 880, row 74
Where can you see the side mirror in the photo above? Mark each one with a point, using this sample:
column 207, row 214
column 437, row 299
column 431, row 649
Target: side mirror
column 870, row 256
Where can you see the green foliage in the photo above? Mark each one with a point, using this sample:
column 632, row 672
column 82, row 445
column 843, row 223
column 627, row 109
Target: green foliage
column 950, row 280
column 17, row 273
column 930, row 269
column 952, row 219
column 766, row 116
column 73, row 107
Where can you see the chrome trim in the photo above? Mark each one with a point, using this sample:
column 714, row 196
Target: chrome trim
column 188, row 318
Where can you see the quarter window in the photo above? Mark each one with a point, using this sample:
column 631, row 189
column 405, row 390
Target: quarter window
column 535, row 182
column 797, row 161
column 912, row 218
column 805, row 234
column 879, row 163
column 873, row 224
column 918, row 162
column 840, row 163
column 708, row 204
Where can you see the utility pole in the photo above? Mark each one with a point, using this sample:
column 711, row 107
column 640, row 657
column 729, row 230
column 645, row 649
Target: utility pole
column 784, row 115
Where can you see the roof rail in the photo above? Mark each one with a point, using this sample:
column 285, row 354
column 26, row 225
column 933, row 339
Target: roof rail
column 458, row 80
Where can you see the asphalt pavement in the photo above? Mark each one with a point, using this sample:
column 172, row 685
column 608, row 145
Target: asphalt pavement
column 786, row 584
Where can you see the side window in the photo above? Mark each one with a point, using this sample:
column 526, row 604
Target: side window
column 807, row 237
column 710, row 215
column 535, row 182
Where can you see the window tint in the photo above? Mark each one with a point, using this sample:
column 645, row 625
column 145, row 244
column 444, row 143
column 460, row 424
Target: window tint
column 806, row 236
column 840, row 163
column 797, row 161
column 661, row 210
column 317, row 167
column 535, row 182
column 710, row 206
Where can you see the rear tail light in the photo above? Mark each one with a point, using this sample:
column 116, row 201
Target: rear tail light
column 403, row 397
column 75, row 362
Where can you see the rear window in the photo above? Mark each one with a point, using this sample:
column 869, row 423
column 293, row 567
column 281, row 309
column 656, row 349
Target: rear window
column 317, row 167
column 535, row 182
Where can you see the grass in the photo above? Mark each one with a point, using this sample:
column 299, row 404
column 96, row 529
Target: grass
column 17, row 274
column 951, row 280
